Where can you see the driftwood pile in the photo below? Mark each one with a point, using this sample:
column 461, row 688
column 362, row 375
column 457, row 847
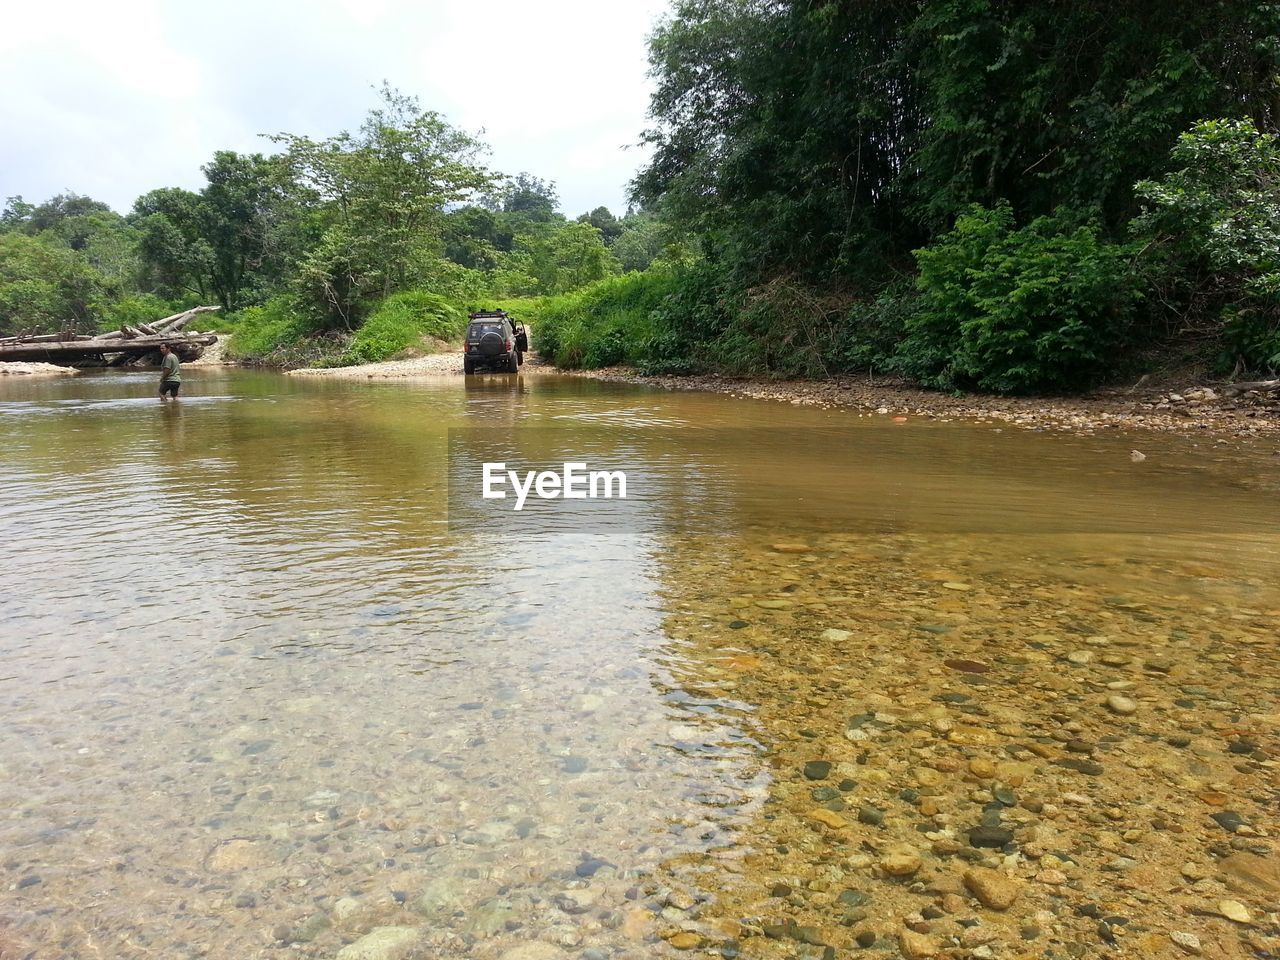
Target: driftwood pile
column 137, row 343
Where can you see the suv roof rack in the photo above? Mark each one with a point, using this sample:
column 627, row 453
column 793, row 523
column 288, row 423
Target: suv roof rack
column 481, row 314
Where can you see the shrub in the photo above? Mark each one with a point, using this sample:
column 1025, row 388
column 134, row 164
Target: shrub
column 400, row 322
column 264, row 333
column 1046, row 307
column 615, row 320
column 1214, row 224
column 875, row 327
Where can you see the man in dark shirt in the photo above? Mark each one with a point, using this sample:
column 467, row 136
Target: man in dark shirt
column 170, row 377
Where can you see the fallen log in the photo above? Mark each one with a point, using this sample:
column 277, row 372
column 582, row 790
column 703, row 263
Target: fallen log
column 180, row 320
column 171, row 324
column 73, row 351
column 1261, row 386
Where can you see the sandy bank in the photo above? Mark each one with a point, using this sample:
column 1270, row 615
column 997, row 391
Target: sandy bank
column 24, row 369
column 436, row 364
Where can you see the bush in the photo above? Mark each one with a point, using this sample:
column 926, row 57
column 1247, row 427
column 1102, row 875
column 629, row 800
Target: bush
column 876, row 327
column 1047, row 307
column 613, row 321
column 1213, row 224
column 268, row 333
column 400, row 322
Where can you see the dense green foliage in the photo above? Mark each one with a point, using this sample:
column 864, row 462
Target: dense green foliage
column 1011, row 197
column 316, row 243
column 1214, row 221
column 1010, row 310
column 403, row 320
column 821, row 152
column 613, row 321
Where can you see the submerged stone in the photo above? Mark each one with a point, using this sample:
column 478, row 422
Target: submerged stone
column 990, row 836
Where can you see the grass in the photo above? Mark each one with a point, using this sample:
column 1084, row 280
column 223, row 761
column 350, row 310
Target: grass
column 401, row 322
column 618, row 320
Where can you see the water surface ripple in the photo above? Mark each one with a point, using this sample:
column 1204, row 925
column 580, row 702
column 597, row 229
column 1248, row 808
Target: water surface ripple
column 261, row 685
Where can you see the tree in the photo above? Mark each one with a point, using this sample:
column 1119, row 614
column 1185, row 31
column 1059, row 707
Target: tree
column 177, row 258
column 1213, row 228
column 562, row 257
column 530, row 199
column 474, row 236
column 45, row 286
column 610, row 227
column 235, row 218
column 384, row 190
column 828, row 140
column 642, row 241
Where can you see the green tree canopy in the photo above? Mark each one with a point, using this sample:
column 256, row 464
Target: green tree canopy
column 384, row 190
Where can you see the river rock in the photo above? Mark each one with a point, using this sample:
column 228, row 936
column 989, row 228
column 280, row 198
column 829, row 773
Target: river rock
column 992, row 837
column 685, row 941
column 236, row 855
column 441, row 897
column 1118, row 703
column 817, row 769
column 490, row 918
column 1187, row 941
column 982, row 768
column 1246, row 873
column 993, row 890
column 829, row 818
column 1228, row 820
column 534, row 951
column 836, row 636
column 1234, row 910
column 901, row 864
column 917, row 946
column 348, row 912
column 382, row 943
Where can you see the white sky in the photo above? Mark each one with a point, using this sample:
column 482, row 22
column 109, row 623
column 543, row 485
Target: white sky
column 116, row 98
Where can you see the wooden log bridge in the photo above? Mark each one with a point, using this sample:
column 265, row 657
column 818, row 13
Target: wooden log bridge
column 119, row 347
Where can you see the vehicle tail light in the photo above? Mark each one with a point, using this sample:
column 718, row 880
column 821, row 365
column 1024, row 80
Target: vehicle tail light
column 506, row 345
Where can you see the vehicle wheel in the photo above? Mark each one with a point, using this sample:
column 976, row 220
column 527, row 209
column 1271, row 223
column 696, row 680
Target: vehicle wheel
column 513, row 362
column 468, row 366
column 519, row 358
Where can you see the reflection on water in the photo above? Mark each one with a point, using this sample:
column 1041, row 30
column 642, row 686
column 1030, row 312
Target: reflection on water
column 262, row 687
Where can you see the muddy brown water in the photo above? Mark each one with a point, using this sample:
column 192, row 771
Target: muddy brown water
column 275, row 681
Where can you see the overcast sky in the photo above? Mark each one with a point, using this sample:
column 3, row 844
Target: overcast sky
column 115, row 98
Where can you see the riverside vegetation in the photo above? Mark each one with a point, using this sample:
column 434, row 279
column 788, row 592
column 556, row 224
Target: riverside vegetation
column 971, row 195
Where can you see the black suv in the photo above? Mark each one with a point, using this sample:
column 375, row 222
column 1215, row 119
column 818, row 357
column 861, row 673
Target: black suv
column 494, row 342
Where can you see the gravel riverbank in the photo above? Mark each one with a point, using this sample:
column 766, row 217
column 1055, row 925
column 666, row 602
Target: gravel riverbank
column 1195, row 410
column 432, row 365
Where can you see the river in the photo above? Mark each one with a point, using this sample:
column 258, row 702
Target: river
column 277, row 681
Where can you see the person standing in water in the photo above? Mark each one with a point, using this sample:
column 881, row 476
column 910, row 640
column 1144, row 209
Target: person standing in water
column 170, row 376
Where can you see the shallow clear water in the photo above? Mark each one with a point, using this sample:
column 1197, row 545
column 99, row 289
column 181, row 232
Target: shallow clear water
column 272, row 674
